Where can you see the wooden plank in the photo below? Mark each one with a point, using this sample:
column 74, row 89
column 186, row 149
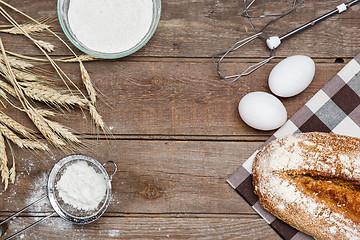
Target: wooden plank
column 244, row 228
column 154, row 177
column 199, row 29
column 177, row 97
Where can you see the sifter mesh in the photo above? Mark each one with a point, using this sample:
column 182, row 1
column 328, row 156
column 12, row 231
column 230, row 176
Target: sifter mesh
column 67, row 211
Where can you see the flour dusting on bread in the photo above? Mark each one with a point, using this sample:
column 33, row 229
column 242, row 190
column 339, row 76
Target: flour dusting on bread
column 310, row 181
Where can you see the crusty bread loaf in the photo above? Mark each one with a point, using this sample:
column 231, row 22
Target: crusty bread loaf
column 312, row 182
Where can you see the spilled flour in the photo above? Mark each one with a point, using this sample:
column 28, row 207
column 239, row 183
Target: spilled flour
column 38, row 190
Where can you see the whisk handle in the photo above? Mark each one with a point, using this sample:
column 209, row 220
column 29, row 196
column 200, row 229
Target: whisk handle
column 351, row 3
column 341, row 8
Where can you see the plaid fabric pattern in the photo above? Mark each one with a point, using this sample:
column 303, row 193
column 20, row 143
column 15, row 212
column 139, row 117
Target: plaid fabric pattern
column 335, row 108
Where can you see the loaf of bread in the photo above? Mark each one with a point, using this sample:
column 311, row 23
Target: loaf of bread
column 311, row 181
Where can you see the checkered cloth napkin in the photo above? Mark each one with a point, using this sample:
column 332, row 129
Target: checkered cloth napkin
column 336, row 109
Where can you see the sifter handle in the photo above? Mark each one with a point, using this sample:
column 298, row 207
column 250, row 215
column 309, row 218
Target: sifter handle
column 115, row 168
column 30, row 226
column 22, row 210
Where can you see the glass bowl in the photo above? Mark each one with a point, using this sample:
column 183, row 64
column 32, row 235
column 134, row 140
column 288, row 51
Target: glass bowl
column 67, row 211
column 63, row 7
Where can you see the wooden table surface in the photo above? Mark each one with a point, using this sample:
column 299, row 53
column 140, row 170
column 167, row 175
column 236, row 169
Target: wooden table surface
column 176, row 132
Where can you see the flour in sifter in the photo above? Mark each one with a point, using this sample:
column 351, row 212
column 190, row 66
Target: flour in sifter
column 110, row 26
column 81, row 186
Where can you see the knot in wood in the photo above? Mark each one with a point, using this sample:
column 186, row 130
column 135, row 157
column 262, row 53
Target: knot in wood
column 151, row 192
column 157, row 80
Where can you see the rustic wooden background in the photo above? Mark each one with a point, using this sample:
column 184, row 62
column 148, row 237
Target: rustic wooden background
column 177, row 135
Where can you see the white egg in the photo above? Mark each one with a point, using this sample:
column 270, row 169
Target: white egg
column 291, row 76
column 262, row 111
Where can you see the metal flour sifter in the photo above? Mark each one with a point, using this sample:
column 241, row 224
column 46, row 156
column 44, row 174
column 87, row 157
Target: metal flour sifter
column 62, row 209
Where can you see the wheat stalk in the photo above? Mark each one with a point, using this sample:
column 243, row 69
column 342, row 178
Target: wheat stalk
column 46, row 94
column 52, row 62
column 5, row 131
column 13, row 168
column 82, row 58
column 46, row 113
column 44, row 128
column 87, row 82
column 25, row 86
column 35, row 145
column 18, row 63
column 39, row 121
column 45, row 45
column 7, row 88
column 96, row 116
column 34, row 116
column 63, row 132
column 12, row 173
column 29, row 28
column 21, row 75
column 58, row 70
column 15, row 126
column 22, row 143
column 9, row 75
column 3, row 94
column 3, row 163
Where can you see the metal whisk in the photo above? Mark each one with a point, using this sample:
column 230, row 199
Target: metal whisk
column 272, row 42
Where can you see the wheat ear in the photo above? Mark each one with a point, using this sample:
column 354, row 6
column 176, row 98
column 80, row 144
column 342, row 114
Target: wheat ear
column 40, row 122
column 7, row 88
column 58, row 70
column 63, row 131
column 52, row 62
column 15, row 126
column 96, row 116
column 29, row 28
column 45, row 45
column 43, row 93
column 22, row 143
column 18, row 63
column 26, row 76
column 87, row 82
column 3, row 94
column 3, row 165
column 46, row 113
column 44, row 128
column 19, row 74
column 12, row 173
column 36, row 118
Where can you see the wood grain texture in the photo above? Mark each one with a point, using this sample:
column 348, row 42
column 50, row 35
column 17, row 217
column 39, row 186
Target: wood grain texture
column 177, row 97
column 144, row 227
column 154, row 177
column 177, row 135
column 201, row 28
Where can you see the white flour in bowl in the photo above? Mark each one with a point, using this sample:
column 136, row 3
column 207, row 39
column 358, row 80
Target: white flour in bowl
column 110, row 26
column 81, row 186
